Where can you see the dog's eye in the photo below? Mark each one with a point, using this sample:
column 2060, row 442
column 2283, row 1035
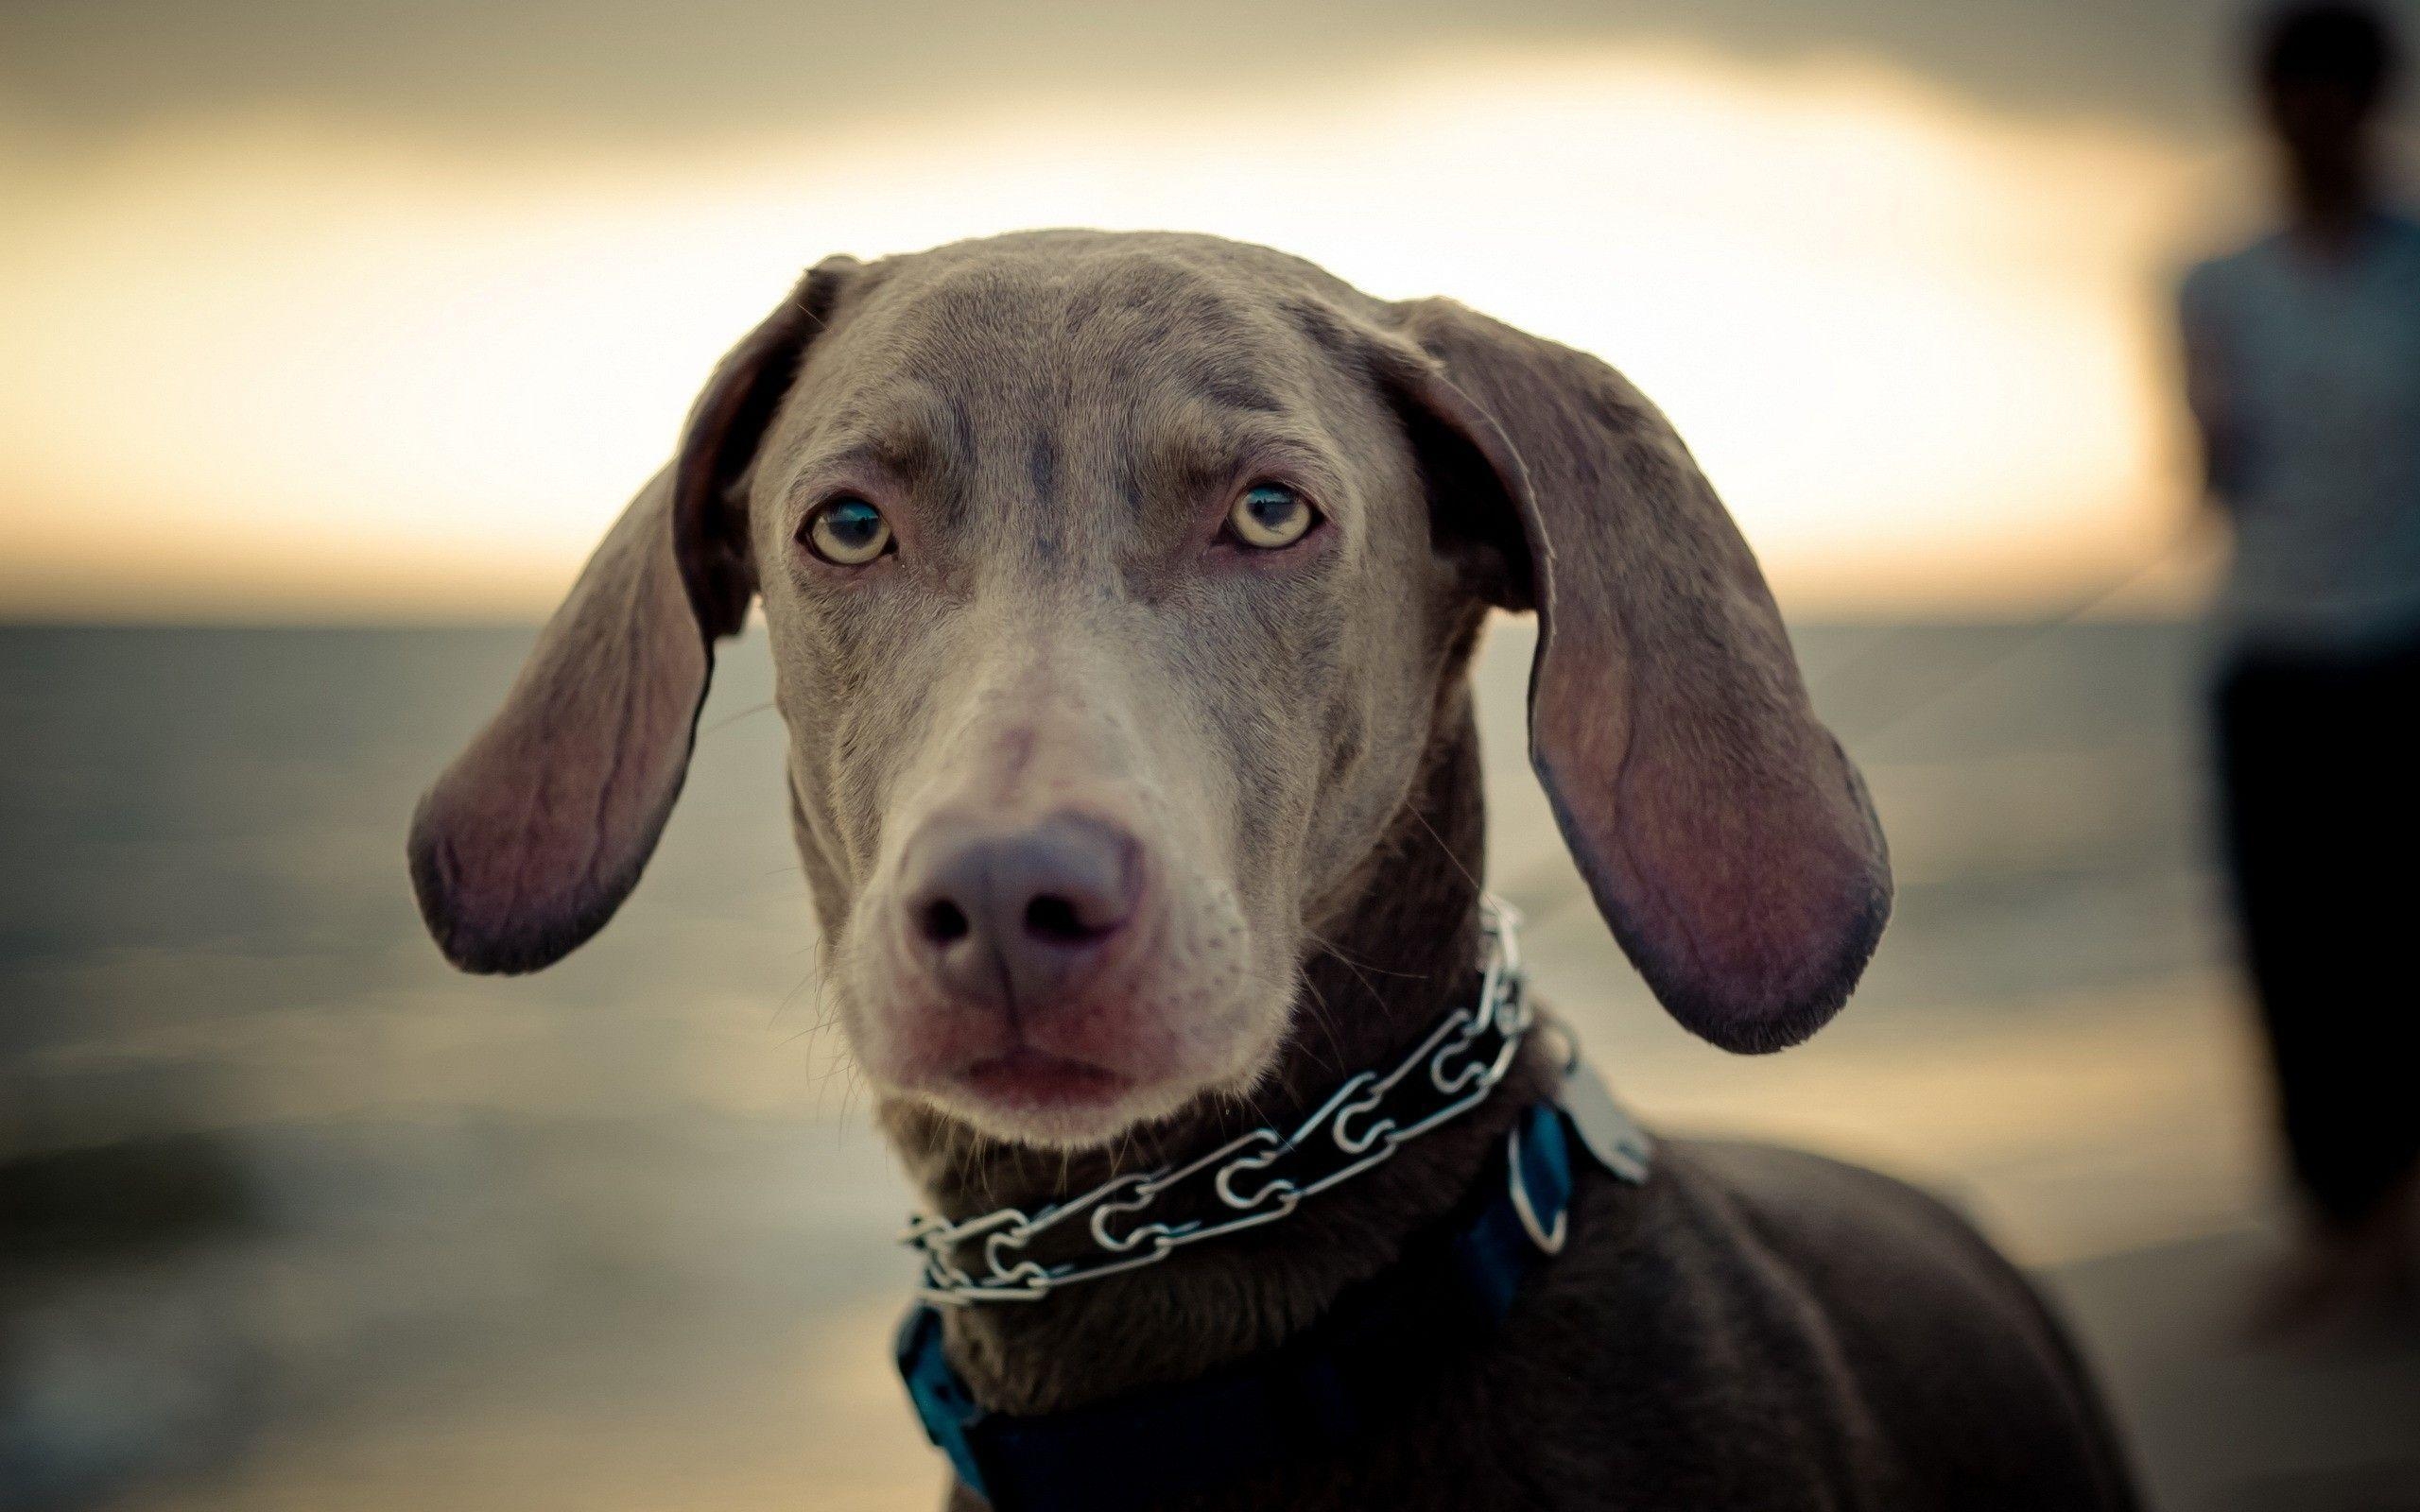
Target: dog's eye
column 1271, row 516
column 847, row 532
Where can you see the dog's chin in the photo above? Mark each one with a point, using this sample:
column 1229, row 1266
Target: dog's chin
column 1024, row 1094
column 1030, row 1097
column 1080, row 1077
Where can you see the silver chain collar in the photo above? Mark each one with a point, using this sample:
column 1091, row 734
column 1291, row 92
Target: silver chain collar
column 1254, row 1178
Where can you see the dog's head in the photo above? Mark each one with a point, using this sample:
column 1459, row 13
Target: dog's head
column 1115, row 584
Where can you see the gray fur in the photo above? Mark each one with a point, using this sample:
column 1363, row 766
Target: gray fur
column 1052, row 423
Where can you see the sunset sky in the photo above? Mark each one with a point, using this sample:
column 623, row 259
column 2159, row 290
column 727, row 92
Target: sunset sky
column 381, row 311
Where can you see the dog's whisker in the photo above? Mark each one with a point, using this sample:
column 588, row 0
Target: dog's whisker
column 1367, row 985
column 729, row 720
column 813, row 980
column 1323, row 1019
column 1332, row 949
column 1445, row 849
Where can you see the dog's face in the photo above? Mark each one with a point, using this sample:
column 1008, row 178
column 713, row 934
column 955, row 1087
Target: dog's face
column 1115, row 585
column 1107, row 617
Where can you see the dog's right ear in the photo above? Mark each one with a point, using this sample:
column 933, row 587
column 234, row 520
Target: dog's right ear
column 538, row 831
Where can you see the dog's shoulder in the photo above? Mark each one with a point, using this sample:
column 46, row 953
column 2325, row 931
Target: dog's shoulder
column 1760, row 1304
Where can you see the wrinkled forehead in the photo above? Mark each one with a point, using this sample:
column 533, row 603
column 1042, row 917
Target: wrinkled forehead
column 1054, row 380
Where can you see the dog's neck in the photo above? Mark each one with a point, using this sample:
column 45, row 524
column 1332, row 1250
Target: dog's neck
column 1397, row 958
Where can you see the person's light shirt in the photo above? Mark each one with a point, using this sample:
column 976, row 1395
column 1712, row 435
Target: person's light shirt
column 2306, row 375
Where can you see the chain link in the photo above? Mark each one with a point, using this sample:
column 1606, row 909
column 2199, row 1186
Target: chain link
column 1254, row 1178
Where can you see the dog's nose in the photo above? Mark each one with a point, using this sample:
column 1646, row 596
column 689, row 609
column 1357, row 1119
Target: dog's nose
column 1019, row 917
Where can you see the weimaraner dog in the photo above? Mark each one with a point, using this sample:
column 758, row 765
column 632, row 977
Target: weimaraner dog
column 1121, row 592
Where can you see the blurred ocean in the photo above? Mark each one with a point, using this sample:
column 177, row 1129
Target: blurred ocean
column 293, row 1217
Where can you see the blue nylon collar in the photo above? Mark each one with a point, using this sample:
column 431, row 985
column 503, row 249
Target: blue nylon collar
column 1346, row 1374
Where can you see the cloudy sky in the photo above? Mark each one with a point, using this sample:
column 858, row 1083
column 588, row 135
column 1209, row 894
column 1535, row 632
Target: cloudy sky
column 382, row 309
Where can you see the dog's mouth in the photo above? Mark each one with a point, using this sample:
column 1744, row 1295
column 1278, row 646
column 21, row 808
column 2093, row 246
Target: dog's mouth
column 1024, row 1079
column 1015, row 1090
column 1179, row 1013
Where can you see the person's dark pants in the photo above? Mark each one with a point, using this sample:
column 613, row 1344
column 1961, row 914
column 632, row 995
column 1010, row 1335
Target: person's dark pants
column 2319, row 766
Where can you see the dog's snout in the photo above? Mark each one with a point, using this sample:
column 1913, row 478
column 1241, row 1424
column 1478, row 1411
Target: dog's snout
column 1019, row 917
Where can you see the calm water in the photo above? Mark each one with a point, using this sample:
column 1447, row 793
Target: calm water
column 296, row 1217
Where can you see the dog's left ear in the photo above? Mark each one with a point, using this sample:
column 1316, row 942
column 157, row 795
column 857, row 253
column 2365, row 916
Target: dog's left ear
column 528, row 843
column 1728, row 840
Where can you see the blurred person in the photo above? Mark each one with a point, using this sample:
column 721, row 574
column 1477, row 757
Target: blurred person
column 2303, row 374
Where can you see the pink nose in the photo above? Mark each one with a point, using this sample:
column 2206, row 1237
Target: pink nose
column 1018, row 919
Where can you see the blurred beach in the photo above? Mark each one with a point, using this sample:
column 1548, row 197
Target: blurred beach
column 291, row 1217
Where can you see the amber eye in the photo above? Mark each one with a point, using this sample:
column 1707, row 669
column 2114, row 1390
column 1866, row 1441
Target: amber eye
column 847, row 532
column 1271, row 516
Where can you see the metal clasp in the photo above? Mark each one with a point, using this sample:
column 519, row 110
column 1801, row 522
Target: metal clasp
column 1549, row 1238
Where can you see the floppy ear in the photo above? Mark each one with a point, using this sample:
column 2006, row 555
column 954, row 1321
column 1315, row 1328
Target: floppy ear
column 538, row 831
column 1728, row 840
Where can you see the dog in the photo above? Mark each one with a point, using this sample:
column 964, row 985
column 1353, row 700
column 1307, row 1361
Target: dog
column 1123, row 591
